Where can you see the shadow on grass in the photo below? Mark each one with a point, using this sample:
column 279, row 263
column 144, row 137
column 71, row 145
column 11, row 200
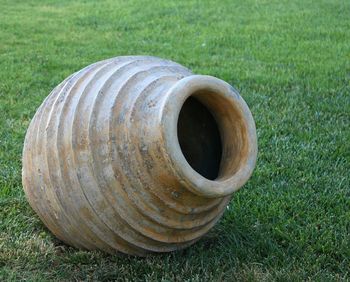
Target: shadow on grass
column 231, row 249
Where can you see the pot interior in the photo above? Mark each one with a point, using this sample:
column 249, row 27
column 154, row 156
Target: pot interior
column 199, row 138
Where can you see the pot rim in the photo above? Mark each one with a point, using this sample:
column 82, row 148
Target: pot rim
column 175, row 98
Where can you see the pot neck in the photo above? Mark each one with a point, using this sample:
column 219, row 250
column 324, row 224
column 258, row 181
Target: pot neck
column 159, row 135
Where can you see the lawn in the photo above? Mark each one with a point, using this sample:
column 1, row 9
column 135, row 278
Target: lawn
column 290, row 60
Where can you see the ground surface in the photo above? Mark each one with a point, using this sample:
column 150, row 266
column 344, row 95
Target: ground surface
column 291, row 62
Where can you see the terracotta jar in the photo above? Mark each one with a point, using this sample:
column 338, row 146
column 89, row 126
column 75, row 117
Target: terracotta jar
column 137, row 155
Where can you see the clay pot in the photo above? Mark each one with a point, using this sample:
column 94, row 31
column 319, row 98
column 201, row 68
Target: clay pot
column 137, row 154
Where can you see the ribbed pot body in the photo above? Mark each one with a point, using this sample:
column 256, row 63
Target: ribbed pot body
column 104, row 162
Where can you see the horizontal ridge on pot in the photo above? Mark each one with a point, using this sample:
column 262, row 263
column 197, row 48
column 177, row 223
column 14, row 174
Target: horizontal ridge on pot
column 137, row 154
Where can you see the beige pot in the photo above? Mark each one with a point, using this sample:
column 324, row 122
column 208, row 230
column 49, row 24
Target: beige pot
column 137, row 154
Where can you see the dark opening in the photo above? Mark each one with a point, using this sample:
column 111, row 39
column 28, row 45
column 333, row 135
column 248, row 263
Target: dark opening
column 199, row 138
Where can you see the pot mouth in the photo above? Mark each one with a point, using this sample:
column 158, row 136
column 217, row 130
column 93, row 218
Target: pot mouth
column 209, row 135
column 200, row 138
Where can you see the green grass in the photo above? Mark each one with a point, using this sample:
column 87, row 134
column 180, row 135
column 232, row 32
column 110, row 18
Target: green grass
column 291, row 62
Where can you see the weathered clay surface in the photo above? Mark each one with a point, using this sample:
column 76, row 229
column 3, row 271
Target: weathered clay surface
column 118, row 157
